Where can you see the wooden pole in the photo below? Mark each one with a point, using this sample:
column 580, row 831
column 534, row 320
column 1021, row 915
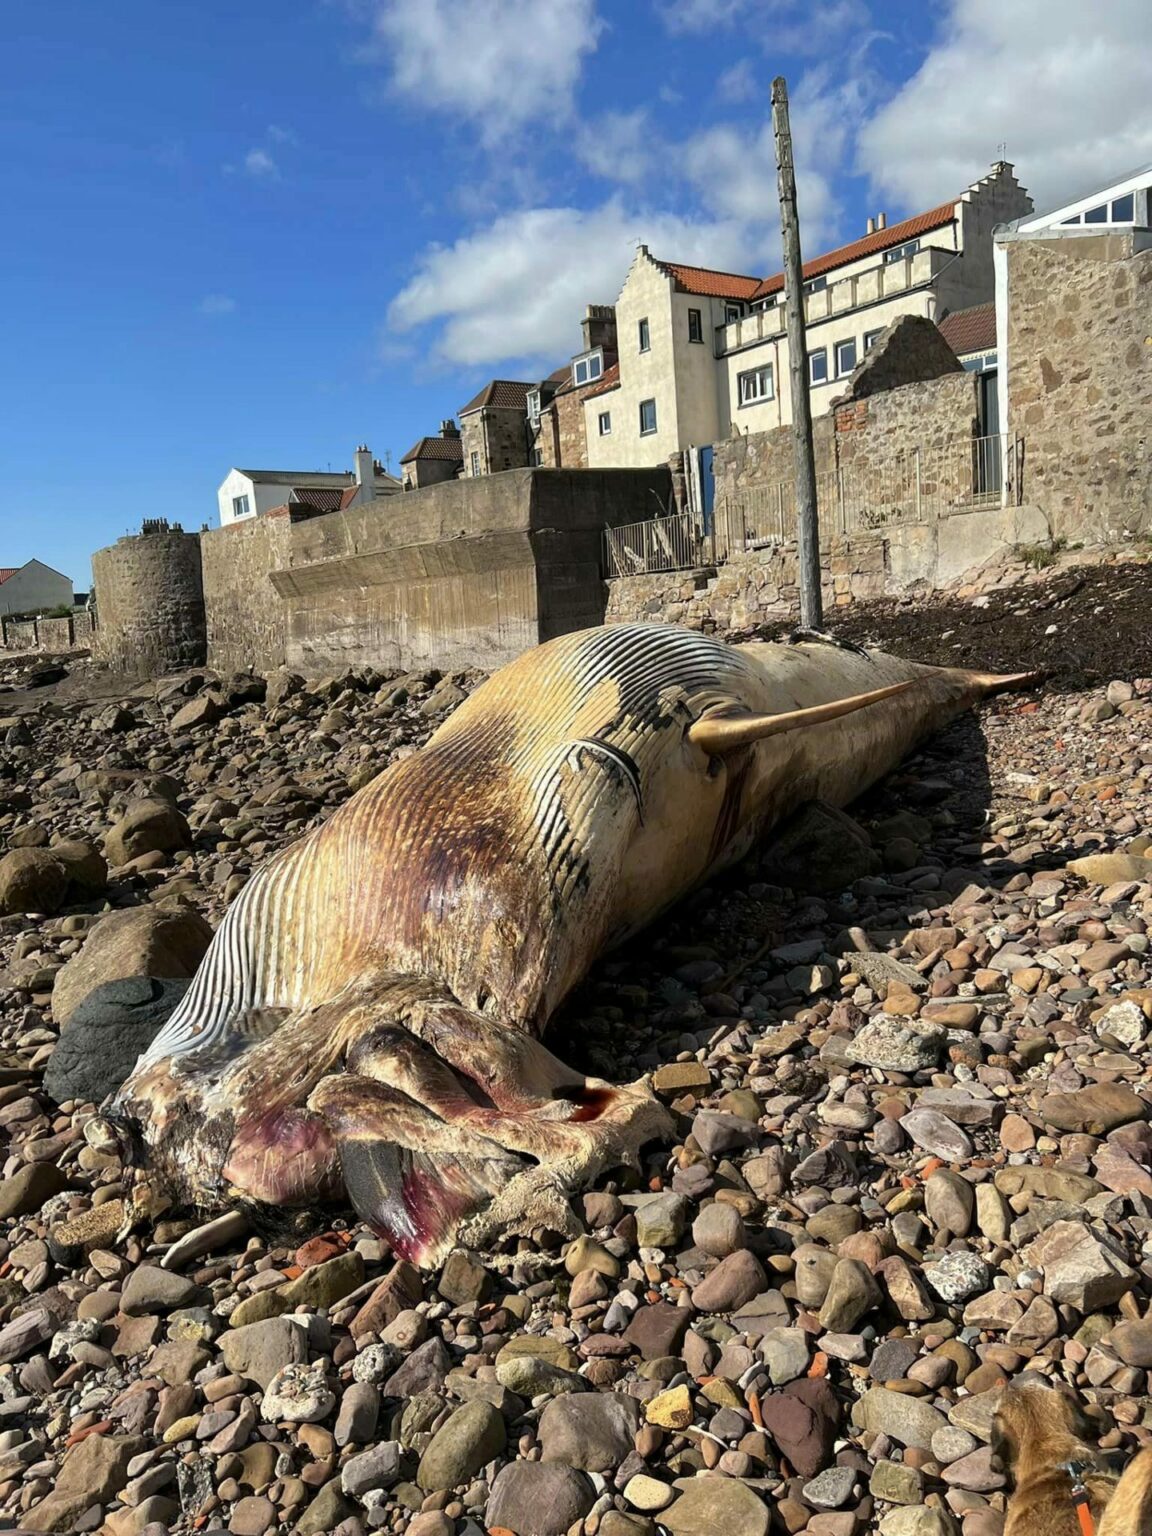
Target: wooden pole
column 807, row 526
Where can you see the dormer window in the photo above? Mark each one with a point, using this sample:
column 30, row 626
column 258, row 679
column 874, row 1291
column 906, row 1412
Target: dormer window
column 533, row 404
column 587, row 369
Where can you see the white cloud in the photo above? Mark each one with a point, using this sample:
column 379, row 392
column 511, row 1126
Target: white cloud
column 738, row 83
column 618, row 146
column 492, row 62
column 1067, row 87
column 259, row 164
column 699, row 15
column 277, row 134
column 514, row 292
column 217, row 304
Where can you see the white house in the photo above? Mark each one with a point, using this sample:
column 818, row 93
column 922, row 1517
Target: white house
column 32, row 588
column 251, row 492
column 1123, row 205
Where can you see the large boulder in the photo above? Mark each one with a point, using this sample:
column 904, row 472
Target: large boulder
column 148, row 826
column 32, row 880
column 107, row 1031
column 165, row 941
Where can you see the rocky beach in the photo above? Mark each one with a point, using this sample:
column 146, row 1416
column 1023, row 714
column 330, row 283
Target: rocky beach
column 908, row 1050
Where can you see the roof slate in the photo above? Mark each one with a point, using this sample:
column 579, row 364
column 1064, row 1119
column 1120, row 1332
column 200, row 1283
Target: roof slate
column 881, row 240
column 499, row 395
column 448, row 449
column 970, row 330
column 610, row 381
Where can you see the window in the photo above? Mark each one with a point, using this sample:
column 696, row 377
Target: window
column 756, row 385
column 898, row 252
column 818, row 366
column 605, row 421
column 1097, row 215
column 239, row 506
column 817, row 285
column 645, row 336
column 533, row 403
column 475, row 463
column 732, row 312
column 1121, row 210
column 647, row 417
column 845, row 357
column 587, row 368
column 871, row 338
column 695, row 325
column 537, row 456
column 1124, row 209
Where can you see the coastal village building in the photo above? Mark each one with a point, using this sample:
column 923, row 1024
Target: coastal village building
column 432, row 460
column 561, row 438
column 32, row 588
column 252, row 492
column 494, row 429
column 703, row 354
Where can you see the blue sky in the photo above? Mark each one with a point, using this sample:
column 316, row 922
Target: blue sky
column 258, row 233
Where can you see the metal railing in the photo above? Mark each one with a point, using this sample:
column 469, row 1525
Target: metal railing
column 918, row 486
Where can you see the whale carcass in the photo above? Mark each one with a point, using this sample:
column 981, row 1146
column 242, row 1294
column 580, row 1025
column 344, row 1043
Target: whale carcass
column 367, row 1020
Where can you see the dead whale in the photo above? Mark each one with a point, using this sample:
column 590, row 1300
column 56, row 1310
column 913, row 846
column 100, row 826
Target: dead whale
column 367, row 1021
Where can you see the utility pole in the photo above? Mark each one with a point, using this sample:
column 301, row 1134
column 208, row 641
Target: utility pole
column 807, row 527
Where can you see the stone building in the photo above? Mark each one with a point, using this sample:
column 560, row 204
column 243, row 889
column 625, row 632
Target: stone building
column 432, row 460
column 703, row 354
column 150, row 601
column 1073, row 318
column 561, row 433
column 494, row 429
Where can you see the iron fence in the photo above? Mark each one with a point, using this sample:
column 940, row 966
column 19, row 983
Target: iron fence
column 673, row 543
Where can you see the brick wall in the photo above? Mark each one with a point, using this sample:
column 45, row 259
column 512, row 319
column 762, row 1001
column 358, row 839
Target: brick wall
column 1080, row 380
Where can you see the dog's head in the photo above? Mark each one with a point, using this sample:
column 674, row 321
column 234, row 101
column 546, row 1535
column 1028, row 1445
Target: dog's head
column 1047, row 1422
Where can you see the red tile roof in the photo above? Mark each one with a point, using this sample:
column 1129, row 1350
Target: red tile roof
column 970, row 330
column 499, row 395
column 881, row 240
column 8, row 570
column 320, row 498
column 448, row 449
column 710, row 284
column 610, row 381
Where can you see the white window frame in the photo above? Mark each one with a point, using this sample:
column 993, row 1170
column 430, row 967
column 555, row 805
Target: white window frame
column 816, row 285
column 871, row 338
column 475, row 462
column 698, row 314
column 899, row 252
column 587, row 368
column 732, row 313
column 849, row 341
column 822, row 354
column 241, row 507
column 533, row 403
column 756, row 385
column 654, row 428
column 604, row 422
column 644, row 335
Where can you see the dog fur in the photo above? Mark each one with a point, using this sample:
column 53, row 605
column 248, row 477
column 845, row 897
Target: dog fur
column 1036, row 1429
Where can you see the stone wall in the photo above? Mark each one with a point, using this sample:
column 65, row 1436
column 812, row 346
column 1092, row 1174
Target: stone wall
column 1080, row 380
column 20, row 635
column 69, row 633
column 499, row 437
column 562, row 442
column 468, row 574
column 150, row 603
column 875, row 437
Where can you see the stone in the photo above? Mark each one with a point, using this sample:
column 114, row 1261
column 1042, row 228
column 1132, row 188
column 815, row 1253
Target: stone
column 923, row 1521
column 585, row 1253
column 910, row 1421
column 803, row 1419
column 167, row 942
column 462, row 1280
column 1109, row 868
column 1079, row 1269
column 1095, row 1109
column 711, row 1504
column 719, row 1230
column 993, row 1217
column 152, row 1289
column 529, row 1377
column 786, row 1354
column 203, row 710
column 148, row 826
column 593, row 1431
column 830, row 1489
column 820, row 848
column 532, row 1498
column 31, row 880
column 28, row 1188
column 259, row 1350
column 377, row 1467
column 950, row 1202
column 896, row 1483
column 93, row 1472
column 680, row 1077
column 657, row 1330
column 1131, row 1340
column 1125, row 1020
column 323, row 1285
column 423, row 1371
column 647, row 1494
column 469, row 1439
column 933, row 1131
column 733, row 1282
column 894, row 1045
column 325, row 1513
column 975, row 1472
column 108, row 1030
column 852, row 1293
column 956, row 1276
column 399, row 1291
column 84, row 865
column 297, row 1394
column 671, row 1409
column 358, row 1414
column 660, row 1221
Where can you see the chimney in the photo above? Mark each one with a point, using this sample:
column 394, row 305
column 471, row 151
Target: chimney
column 598, row 328
column 881, row 221
column 366, row 470
column 871, row 229
column 449, row 428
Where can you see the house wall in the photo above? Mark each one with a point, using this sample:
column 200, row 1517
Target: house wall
column 647, row 294
column 563, row 440
column 33, row 587
column 499, row 437
column 1080, row 378
column 421, row 472
column 995, row 200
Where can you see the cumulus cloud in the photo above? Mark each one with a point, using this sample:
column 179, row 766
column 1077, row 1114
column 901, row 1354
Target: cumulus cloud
column 514, row 292
column 259, row 164
column 217, row 304
column 490, row 62
column 618, row 146
column 699, row 15
column 1066, row 87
